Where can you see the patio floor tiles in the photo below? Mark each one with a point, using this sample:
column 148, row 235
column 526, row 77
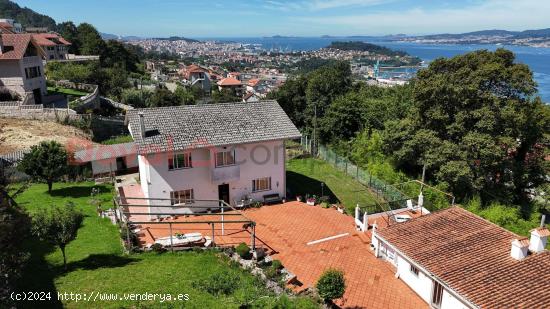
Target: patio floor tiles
column 370, row 280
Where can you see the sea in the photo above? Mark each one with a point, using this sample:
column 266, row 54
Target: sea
column 538, row 59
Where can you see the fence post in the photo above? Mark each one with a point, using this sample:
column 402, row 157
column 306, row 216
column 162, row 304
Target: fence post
column 171, row 239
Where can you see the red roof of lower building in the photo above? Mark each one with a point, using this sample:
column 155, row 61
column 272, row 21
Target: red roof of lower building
column 472, row 256
column 229, row 81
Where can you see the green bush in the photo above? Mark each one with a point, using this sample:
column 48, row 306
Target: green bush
column 158, row 248
column 243, row 251
column 219, row 283
column 331, row 285
column 277, row 264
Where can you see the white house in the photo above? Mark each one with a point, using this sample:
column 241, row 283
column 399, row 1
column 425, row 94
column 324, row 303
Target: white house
column 21, row 68
column 455, row 259
column 228, row 151
column 108, row 160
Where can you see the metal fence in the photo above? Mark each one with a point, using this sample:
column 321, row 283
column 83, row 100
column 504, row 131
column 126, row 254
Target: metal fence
column 383, row 191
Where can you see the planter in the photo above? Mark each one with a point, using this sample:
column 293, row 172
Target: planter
column 310, row 203
column 299, row 198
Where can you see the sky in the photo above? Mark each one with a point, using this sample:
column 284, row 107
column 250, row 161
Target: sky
column 249, row 18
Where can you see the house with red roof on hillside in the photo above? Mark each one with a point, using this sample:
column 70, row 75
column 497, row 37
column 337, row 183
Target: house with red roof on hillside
column 54, row 45
column 21, row 67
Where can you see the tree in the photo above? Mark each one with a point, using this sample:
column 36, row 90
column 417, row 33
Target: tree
column 14, row 224
column 163, row 97
column 331, row 285
column 58, row 226
column 116, row 54
column 224, row 96
column 69, row 31
column 138, row 98
column 185, row 96
column 292, row 98
column 90, row 40
column 476, row 125
column 46, row 161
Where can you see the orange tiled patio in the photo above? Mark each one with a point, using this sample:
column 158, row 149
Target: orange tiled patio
column 286, row 229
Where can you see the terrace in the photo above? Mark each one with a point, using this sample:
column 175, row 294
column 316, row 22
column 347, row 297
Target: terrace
column 307, row 240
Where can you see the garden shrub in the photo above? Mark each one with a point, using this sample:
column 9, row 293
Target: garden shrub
column 277, row 264
column 243, row 251
column 158, row 248
column 220, row 283
column 331, row 285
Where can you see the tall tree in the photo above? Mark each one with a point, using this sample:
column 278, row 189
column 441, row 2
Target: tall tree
column 58, row 226
column 46, row 161
column 90, row 40
column 476, row 125
column 69, row 31
column 14, row 225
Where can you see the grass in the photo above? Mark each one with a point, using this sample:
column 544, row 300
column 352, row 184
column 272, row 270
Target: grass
column 66, row 91
column 96, row 264
column 304, row 176
column 118, row 140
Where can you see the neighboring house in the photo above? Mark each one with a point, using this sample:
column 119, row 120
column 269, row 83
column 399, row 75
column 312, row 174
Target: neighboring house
column 231, row 83
column 196, row 77
column 253, row 84
column 250, row 97
column 54, row 45
column 226, row 151
column 108, row 160
column 10, row 26
column 21, row 67
column 455, row 259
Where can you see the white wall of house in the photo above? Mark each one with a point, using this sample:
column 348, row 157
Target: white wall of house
column 451, row 302
column 33, row 83
column 421, row 283
column 110, row 165
column 253, row 161
column 11, row 77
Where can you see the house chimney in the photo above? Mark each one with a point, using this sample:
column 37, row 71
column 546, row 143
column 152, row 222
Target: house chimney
column 141, row 124
column 519, row 248
column 539, row 237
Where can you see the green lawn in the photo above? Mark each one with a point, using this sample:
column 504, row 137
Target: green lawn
column 66, row 91
column 96, row 263
column 304, row 176
column 118, row 140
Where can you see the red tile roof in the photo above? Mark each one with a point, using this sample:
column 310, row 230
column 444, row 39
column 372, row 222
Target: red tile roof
column 542, row 231
column 229, row 81
column 15, row 46
column 472, row 256
column 253, row 82
column 49, row 39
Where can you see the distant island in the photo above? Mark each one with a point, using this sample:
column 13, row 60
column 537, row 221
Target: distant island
column 368, row 47
column 533, row 38
column 390, row 56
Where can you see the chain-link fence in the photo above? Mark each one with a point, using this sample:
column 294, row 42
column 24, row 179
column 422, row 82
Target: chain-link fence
column 383, row 191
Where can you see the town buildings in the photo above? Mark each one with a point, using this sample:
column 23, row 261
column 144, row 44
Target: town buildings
column 226, row 151
column 455, row 259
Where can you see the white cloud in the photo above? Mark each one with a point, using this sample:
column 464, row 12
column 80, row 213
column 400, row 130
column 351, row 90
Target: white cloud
column 330, row 4
column 491, row 14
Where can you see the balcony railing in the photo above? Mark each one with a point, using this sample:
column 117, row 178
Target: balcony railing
column 226, row 173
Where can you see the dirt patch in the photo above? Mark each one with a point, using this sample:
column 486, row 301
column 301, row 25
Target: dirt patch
column 21, row 134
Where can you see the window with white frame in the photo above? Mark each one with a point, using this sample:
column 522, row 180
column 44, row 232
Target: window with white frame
column 261, row 184
column 225, row 158
column 179, row 161
column 182, row 197
column 414, row 270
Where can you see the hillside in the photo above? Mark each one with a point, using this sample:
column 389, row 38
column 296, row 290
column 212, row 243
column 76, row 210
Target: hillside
column 368, row 47
column 25, row 16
